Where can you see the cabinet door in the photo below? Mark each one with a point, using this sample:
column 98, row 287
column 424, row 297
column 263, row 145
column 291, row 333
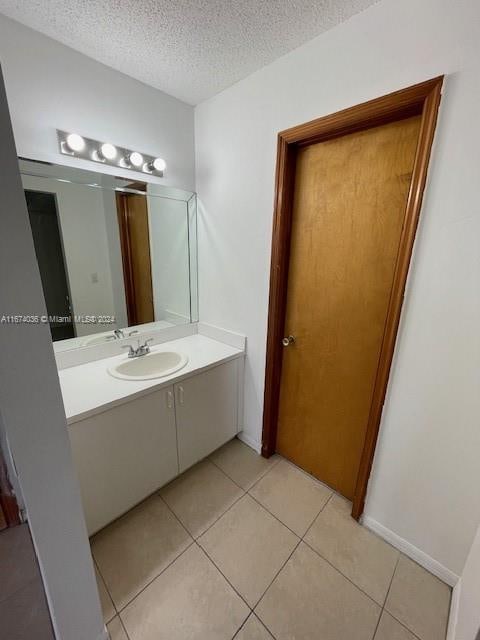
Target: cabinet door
column 124, row 454
column 206, row 410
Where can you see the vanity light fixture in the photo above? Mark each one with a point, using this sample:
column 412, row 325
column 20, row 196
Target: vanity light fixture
column 75, row 142
column 108, row 151
column 135, row 159
column 75, row 145
column 158, row 164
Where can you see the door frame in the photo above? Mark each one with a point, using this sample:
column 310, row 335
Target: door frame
column 62, row 245
column 421, row 99
column 122, row 202
column 125, row 248
column 8, row 502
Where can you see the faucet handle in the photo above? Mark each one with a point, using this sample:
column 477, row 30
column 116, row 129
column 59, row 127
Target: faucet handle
column 145, row 345
column 131, row 333
column 131, row 350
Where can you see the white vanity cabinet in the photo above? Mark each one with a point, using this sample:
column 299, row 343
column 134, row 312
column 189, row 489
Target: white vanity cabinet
column 124, row 454
column 206, row 410
column 127, row 452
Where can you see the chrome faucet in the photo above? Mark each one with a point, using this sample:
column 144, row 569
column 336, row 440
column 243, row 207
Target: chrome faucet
column 120, row 333
column 141, row 350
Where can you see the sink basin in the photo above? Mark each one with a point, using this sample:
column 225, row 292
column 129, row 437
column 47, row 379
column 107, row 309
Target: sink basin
column 98, row 339
column 154, row 365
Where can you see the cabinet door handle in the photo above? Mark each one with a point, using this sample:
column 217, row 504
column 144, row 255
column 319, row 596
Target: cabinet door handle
column 169, row 399
column 180, row 394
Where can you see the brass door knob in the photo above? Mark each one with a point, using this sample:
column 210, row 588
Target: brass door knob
column 288, row 340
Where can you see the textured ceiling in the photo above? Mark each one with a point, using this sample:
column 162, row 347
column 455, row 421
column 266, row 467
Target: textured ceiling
column 189, row 49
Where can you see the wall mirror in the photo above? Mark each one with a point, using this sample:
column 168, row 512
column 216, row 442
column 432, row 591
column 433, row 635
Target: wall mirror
column 116, row 256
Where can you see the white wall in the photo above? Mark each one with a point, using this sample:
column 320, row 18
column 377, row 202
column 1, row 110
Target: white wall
column 50, row 86
column 468, row 612
column 33, row 418
column 424, row 486
column 168, row 227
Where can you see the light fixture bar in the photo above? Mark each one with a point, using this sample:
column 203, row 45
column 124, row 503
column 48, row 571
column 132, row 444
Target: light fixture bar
column 72, row 144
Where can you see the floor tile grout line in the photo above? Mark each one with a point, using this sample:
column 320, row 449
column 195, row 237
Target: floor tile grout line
column 256, row 481
column 225, row 474
column 273, row 515
column 219, row 517
column 196, row 537
column 342, row 574
column 157, row 576
column 264, row 625
column 124, row 627
column 242, row 625
column 252, row 614
column 391, row 580
column 273, row 580
column 402, row 624
column 378, row 624
column 281, row 521
column 97, row 567
column 319, row 513
column 176, row 517
column 384, row 609
column 24, row 586
column 385, row 600
column 96, row 564
column 338, row 570
column 225, row 577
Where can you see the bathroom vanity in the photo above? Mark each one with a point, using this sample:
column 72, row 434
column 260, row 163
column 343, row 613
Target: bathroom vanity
column 130, row 437
column 118, row 263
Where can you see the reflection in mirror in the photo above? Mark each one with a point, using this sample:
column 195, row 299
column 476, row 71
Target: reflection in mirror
column 116, row 257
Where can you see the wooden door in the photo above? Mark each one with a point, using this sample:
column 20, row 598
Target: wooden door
column 137, row 269
column 349, row 207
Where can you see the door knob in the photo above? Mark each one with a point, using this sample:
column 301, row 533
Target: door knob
column 288, row 341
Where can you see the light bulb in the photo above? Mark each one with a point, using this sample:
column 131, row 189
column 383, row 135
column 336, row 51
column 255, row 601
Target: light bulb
column 136, row 159
column 75, row 142
column 159, row 164
column 108, row 151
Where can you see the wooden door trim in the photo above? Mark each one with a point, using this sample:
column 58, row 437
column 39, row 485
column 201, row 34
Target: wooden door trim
column 421, row 99
column 8, row 502
column 125, row 247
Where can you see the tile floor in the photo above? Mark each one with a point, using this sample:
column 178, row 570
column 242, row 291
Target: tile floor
column 23, row 608
column 253, row 549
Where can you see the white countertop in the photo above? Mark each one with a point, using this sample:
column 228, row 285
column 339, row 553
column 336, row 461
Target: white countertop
column 88, row 388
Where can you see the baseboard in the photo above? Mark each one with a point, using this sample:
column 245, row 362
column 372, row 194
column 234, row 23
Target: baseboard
column 104, row 635
column 251, row 442
column 454, row 606
column 420, row 557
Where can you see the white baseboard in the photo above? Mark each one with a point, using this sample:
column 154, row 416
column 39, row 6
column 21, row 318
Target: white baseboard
column 104, row 635
column 254, row 444
column 420, row 557
column 454, row 606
